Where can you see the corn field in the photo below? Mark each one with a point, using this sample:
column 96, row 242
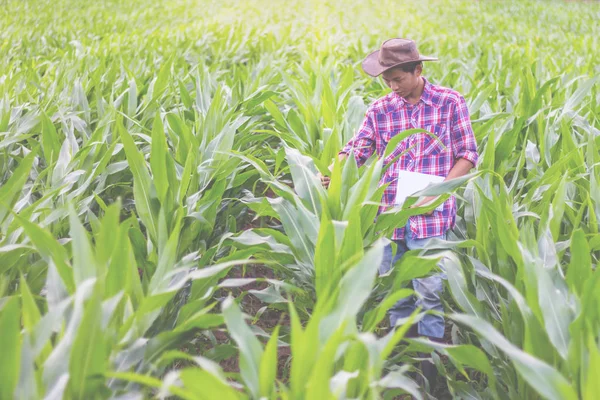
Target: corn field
column 164, row 233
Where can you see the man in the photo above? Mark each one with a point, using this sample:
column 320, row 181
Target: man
column 414, row 102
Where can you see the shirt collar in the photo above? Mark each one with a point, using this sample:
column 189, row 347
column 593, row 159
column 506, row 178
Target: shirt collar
column 426, row 96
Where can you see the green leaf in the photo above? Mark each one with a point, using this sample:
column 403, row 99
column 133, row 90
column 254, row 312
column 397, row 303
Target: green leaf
column 301, row 342
column 354, row 289
column 395, row 336
column 580, row 267
column 546, row 380
column 258, row 97
column 351, row 248
column 203, row 385
column 458, row 287
column 167, row 256
column 578, row 96
column 317, row 386
column 13, row 187
column 555, row 303
column 396, row 379
column 158, row 159
column 334, row 191
column 27, row 388
column 362, row 191
column 153, row 383
column 10, row 328
column 306, row 183
column 473, row 357
column 400, row 136
column 327, row 271
column 558, row 209
column 131, row 100
column 375, row 316
column 161, row 80
column 268, row 365
column 182, row 334
column 31, row 312
column 413, row 266
column 186, row 99
column 467, row 355
column 592, row 383
column 292, row 221
column 50, row 140
column 250, row 348
column 141, row 182
column 186, row 176
column 84, row 263
column 89, row 355
column 121, row 274
column 436, row 189
column 49, row 249
column 107, row 238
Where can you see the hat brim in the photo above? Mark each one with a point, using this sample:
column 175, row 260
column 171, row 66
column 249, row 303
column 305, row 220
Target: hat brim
column 372, row 66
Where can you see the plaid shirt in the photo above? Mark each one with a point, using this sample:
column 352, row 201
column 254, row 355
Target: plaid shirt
column 441, row 111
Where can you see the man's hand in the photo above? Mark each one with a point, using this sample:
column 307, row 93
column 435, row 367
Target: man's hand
column 460, row 168
column 325, row 180
column 426, row 200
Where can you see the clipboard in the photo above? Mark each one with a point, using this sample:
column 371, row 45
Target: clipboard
column 411, row 182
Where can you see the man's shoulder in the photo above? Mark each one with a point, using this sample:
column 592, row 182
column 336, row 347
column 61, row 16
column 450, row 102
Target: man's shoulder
column 383, row 104
column 442, row 95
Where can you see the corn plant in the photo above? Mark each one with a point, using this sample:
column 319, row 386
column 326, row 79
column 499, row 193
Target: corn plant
column 157, row 157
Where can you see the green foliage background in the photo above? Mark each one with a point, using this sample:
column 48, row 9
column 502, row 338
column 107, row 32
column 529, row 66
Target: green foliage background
column 158, row 186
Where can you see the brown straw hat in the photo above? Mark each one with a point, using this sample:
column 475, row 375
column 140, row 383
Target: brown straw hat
column 393, row 52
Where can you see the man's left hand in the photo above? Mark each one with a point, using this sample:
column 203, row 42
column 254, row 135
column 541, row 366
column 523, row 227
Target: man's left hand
column 426, row 200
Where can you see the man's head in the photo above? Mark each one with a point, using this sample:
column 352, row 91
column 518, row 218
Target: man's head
column 404, row 79
column 393, row 53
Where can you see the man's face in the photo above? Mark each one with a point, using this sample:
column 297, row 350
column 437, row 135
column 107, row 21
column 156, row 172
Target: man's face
column 403, row 83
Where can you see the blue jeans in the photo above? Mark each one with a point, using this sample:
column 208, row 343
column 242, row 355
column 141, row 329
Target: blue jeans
column 428, row 290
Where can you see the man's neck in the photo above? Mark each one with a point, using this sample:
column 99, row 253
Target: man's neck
column 415, row 96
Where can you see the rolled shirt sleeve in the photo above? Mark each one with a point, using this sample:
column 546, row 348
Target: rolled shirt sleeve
column 464, row 144
column 362, row 145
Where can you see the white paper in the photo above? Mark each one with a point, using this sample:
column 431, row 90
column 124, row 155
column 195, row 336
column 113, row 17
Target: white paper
column 411, row 182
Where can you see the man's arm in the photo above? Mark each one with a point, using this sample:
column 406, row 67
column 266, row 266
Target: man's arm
column 463, row 142
column 461, row 168
column 362, row 145
column 464, row 146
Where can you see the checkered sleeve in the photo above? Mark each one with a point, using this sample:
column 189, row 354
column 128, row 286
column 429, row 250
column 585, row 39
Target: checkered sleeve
column 362, row 145
column 463, row 138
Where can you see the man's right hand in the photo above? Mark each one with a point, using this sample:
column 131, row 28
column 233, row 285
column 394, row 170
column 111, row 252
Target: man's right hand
column 325, row 180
